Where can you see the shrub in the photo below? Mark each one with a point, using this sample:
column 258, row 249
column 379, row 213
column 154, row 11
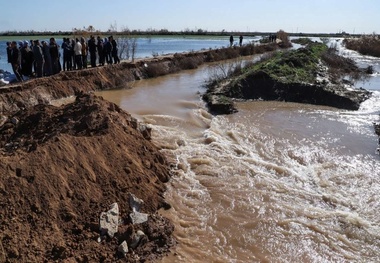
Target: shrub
column 154, row 70
column 247, row 50
column 284, row 37
column 366, row 45
column 189, row 62
column 302, row 41
column 260, row 49
column 231, row 53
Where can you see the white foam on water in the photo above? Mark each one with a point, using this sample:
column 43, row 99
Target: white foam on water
column 261, row 196
column 275, row 182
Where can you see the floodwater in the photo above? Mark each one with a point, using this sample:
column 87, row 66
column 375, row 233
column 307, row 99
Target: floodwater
column 275, row 182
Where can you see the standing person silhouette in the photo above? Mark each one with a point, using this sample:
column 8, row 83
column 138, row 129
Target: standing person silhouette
column 15, row 60
column 39, row 58
column 240, row 40
column 231, row 40
column 115, row 55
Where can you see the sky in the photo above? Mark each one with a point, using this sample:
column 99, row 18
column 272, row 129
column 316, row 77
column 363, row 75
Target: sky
column 293, row 16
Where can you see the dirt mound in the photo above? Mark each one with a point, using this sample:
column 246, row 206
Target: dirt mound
column 61, row 167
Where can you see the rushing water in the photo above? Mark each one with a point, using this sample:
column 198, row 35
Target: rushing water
column 275, row 182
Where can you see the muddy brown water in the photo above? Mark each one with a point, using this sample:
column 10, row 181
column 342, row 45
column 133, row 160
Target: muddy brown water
column 275, row 182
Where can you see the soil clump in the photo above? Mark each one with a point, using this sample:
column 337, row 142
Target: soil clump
column 62, row 167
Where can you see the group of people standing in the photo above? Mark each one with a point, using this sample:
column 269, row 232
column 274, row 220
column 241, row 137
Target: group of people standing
column 232, row 40
column 38, row 59
column 33, row 58
column 272, row 38
column 75, row 52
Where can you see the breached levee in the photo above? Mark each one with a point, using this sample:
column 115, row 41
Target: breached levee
column 68, row 83
column 68, row 172
column 311, row 75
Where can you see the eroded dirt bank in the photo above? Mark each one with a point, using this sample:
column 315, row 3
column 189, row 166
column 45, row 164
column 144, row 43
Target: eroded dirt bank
column 61, row 167
column 68, row 83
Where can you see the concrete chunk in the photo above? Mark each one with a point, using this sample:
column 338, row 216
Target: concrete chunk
column 136, row 238
column 123, row 248
column 138, row 218
column 135, row 203
column 109, row 221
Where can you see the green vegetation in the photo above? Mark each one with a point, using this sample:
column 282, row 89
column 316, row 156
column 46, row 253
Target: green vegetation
column 302, row 41
column 294, row 66
column 365, row 45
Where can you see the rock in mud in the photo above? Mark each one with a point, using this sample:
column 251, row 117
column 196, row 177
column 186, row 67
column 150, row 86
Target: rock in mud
column 123, row 248
column 219, row 104
column 109, row 221
column 135, row 203
column 138, row 218
column 136, row 238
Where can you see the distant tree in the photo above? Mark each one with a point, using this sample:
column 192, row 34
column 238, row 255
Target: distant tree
column 113, row 27
column 125, row 30
column 90, row 29
column 134, row 48
column 124, row 47
column 163, row 31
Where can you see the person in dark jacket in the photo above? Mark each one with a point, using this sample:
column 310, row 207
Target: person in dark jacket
column 115, row 56
column 100, row 48
column 9, row 51
column 66, row 54
column 92, row 50
column 48, row 65
column 38, row 58
column 27, row 60
column 108, row 51
column 15, row 59
column 23, row 53
column 54, row 55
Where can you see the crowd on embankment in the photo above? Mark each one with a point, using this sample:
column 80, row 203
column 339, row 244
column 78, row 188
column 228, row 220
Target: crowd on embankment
column 37, row 58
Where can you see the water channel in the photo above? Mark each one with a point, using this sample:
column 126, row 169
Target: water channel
column 275, row 182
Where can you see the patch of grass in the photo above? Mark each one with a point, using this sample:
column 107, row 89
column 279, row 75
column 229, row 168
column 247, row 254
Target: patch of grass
column 302, row 41
column 292, row 66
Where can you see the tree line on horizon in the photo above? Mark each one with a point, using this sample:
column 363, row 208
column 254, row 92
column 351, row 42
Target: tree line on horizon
column 151, row 31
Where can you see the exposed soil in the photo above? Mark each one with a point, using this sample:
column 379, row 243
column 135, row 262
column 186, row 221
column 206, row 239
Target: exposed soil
column 61, row 167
